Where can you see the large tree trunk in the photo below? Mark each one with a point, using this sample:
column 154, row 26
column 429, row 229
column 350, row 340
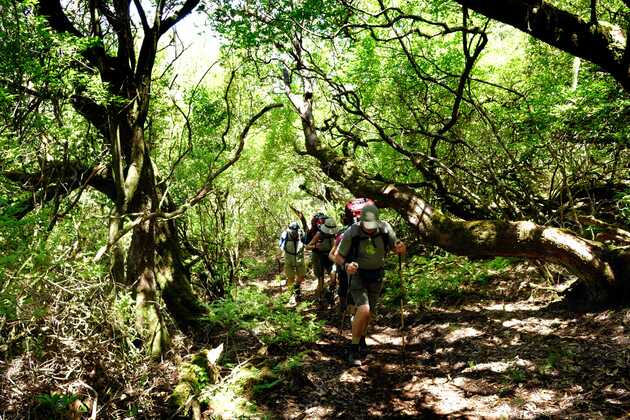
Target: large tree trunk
column 154, row 264
column 174, row 279
column 141, row 265
column 153, row 256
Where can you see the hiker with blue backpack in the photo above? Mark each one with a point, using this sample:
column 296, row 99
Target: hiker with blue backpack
column 361, row 253
column 291, row 243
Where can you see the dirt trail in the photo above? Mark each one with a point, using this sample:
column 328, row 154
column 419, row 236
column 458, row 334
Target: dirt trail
column 505, row 352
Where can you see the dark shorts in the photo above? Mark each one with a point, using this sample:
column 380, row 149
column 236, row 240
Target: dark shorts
column 321, row 263
column 365, row 287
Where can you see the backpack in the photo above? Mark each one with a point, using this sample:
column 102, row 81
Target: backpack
column 326, row 241
column 295, row 237
column 383, row 233
column 317, row 220
column 352, row 210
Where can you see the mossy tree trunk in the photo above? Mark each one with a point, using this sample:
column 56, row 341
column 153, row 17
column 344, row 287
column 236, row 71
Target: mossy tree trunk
column 605, row 271
column 608, row 47
column 152, row 259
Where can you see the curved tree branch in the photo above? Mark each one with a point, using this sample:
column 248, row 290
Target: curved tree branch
column 561, row 29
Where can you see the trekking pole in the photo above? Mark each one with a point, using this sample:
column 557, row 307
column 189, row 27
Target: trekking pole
column 343, row 318
column 402, row 298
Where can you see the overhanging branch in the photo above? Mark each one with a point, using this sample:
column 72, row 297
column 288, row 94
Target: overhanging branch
column 563, row 30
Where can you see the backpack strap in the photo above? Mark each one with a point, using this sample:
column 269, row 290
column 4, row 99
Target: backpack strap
column 383, row 233
column 295, row 243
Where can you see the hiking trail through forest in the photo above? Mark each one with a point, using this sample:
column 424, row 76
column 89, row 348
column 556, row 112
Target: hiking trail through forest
column 507, row 350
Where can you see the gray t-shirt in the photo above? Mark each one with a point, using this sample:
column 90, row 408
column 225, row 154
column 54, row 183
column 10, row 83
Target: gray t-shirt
column 370, row 249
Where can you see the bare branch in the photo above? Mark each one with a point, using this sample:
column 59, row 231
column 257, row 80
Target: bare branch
column 186, row 9
column 143, row 17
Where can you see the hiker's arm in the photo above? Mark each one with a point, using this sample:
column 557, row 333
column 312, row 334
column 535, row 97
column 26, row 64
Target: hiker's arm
column 339, row 259
column 301, row 216
column 331, row 254
column 311, row 244
column 344, row 248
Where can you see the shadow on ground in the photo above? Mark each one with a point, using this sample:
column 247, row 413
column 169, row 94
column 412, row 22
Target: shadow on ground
column 491, row 356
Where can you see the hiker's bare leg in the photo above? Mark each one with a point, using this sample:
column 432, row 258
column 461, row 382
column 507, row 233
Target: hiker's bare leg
column 367, row 324
column 360, row 322
column 290, row 280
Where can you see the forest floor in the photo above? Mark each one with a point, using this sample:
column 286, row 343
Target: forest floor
column 506, row 347
column 509, row 349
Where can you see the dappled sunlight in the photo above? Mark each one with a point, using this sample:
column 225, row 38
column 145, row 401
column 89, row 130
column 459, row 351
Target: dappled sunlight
column 491, row 359
column 446, row 397
column 318, row 411
column 565, row 241
column 480, row 398
column 389, row 335
column 525, row 230
column 536, row 325
column 351, row 376
column 500, row 366
column 512, row 307
column 461, row 333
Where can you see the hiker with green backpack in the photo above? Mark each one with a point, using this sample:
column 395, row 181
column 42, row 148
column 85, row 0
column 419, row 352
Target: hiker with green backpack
column 292, row 244
column 361, row 252
column 321, row 244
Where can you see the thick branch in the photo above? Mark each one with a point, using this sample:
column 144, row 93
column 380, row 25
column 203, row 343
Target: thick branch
column 562, row 30
column 186, row 9
column 60, row 179
column 587, row 259
column 201, row 193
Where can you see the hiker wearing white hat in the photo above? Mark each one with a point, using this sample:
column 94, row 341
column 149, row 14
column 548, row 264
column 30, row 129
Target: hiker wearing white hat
column 362, row 252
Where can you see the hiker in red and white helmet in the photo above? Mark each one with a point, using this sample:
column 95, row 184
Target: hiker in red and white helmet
column 362, row 252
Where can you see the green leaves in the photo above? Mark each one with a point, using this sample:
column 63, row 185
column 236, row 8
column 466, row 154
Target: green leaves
column 269, row 319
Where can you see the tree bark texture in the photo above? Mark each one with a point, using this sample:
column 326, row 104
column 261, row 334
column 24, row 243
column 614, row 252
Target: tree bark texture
column 606, row 272
column 599, row 44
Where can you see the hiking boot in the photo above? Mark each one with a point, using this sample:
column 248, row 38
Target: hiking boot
column 354, row 357
column 298, row 295
column 363, row 348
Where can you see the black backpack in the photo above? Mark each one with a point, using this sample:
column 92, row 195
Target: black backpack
column 328, row 237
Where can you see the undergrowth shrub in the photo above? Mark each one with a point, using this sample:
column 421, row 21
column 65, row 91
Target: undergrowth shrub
column 435, row 279
column 270, row 319
column 66, row 335
column 236, row 394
